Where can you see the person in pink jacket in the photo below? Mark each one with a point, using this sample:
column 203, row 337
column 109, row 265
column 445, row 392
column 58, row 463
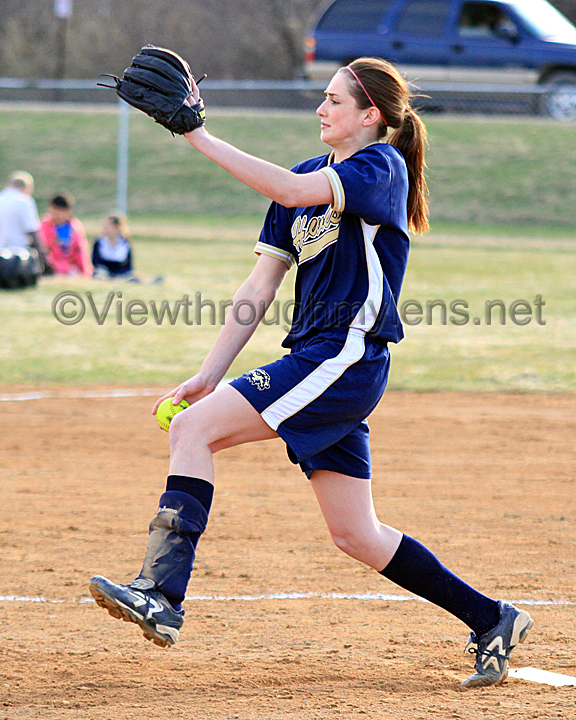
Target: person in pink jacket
column 64, row 238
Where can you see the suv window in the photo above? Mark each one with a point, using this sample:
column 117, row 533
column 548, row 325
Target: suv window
column 354, row 15
column 545, row 21
column 484, row 20
column 424, row 18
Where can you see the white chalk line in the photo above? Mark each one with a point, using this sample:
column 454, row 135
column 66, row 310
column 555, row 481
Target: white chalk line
column 83, row 394
column 25, row 598
column 282, row 596
column 80, row 394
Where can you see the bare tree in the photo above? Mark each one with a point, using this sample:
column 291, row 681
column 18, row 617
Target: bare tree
column 289, row 21
column 226, row 38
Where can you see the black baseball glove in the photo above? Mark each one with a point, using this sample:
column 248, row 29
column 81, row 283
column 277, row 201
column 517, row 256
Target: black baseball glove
column 159, row 82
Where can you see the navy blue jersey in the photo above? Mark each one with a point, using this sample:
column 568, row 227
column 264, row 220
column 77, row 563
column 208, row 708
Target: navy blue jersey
column 351, row 255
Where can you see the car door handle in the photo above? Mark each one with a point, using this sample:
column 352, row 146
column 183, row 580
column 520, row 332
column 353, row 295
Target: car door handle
column 397, row 44
column 458, row 48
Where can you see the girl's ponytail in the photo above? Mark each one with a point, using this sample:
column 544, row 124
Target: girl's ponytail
column 410, row 138
column 376, row 81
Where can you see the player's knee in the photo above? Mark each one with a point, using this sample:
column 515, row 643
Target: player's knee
column 352, row 543
column 188, row 427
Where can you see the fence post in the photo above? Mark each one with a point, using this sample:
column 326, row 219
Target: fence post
column 122, row 162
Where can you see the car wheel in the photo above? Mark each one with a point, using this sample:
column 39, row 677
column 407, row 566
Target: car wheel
column 559, row 98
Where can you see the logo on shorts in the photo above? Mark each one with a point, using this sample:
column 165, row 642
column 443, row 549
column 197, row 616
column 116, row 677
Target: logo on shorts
column 259, row 378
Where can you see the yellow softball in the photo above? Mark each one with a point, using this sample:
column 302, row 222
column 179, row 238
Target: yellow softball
column 166, row 411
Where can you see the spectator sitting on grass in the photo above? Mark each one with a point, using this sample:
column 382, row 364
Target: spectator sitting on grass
column 112, row 252
column 64, row 239
column 19, row 221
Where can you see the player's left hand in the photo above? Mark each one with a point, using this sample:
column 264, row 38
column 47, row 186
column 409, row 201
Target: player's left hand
column 192, row 390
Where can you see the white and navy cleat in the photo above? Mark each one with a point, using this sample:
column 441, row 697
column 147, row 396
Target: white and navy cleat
column 140, row 603
column 494, row 647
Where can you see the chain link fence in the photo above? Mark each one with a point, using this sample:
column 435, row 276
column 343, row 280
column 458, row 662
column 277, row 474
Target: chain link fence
column 557, row 101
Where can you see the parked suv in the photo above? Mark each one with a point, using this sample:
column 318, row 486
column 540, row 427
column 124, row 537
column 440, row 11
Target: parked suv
column 513, row 41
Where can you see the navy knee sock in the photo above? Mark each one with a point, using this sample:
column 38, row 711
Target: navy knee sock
column 416, row 569
column 202, row 490
column 176, row 557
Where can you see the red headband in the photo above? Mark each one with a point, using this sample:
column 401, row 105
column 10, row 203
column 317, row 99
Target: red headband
column 367, row 94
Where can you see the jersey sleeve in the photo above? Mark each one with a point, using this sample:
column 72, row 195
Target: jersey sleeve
column 372, row 183
column 275, row 238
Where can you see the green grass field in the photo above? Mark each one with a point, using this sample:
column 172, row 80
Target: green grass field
column 212, row 259
column 503, row 193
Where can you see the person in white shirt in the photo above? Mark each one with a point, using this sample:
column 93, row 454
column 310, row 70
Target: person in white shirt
column 19, row 221
column 22, row 253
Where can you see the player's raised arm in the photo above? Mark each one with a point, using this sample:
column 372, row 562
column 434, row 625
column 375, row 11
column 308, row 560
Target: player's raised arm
column 272, row 181
column 277, row 183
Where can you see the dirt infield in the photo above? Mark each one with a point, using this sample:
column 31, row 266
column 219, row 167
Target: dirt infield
column 488, row 481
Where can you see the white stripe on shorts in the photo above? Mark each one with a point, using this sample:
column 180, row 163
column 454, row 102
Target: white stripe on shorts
column 331, row 369
column 319, row 380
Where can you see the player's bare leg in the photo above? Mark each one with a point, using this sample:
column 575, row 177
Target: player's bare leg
column 497, row 627
column 153, row 600
column 221, row 420
column 348, row 509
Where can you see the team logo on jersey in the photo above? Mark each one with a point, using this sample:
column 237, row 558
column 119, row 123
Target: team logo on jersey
column 311, row 235
column 259, row 378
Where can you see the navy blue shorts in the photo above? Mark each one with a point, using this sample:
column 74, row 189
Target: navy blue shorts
column 318, row 397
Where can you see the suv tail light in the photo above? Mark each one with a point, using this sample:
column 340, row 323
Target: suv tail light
column 309, row 49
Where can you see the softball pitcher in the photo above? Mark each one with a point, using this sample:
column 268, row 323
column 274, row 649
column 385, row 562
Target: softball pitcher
column 342, row 219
